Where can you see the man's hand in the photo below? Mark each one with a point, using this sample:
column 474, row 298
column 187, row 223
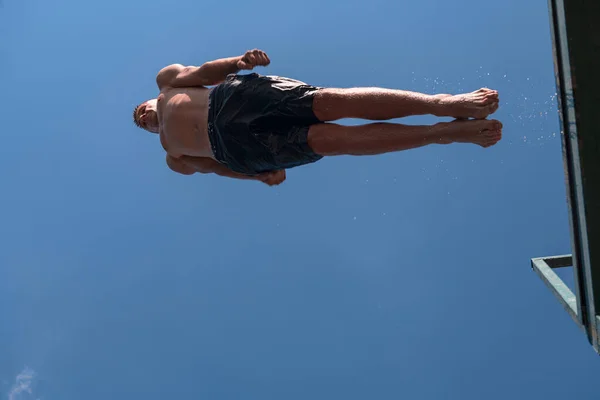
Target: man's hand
column 209, row 73
column 253, row 58
column 272, row 178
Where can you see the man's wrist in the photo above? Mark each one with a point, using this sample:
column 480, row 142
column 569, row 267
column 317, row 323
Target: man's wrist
column 233, row 65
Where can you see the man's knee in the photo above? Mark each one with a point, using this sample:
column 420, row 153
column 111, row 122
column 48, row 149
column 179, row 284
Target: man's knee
column 328, row 104
column 324, row 139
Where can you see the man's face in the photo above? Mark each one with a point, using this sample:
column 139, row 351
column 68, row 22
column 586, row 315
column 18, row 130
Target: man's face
column 147, row 116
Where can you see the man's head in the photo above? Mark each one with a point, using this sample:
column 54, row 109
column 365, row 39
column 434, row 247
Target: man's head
column 146, row 117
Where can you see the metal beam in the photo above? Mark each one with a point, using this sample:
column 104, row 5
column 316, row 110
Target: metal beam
column 559, row 261
column 558, row 288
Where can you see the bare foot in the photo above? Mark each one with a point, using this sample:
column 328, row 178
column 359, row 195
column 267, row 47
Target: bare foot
column 478, row 104
column 482, row 132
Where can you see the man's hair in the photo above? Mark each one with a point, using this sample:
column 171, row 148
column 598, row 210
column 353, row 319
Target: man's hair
column 135, row 121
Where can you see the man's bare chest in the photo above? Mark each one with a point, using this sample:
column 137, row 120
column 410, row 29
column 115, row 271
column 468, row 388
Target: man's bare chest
column 183, row 126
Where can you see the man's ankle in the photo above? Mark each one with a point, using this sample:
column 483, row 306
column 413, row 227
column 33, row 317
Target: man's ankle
column 439, row 105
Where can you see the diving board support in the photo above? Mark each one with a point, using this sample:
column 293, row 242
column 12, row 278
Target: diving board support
column 544, row 267
column 576, row 50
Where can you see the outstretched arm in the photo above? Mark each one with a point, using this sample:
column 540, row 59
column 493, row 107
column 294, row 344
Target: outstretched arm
column 209, row 73
column 206, row 165
column 187, row 165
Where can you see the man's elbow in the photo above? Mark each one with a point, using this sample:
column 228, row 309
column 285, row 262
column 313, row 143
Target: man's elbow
column 183, row 171
column 180, row 167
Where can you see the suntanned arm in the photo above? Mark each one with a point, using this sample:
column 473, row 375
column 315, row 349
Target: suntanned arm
column 209, row 73
column 187, row 165
column 177, row 165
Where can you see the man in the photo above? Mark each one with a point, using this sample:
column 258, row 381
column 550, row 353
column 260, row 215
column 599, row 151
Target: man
column 255, row 127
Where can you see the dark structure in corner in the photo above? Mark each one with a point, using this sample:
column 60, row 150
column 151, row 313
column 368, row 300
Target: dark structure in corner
column 576, row 43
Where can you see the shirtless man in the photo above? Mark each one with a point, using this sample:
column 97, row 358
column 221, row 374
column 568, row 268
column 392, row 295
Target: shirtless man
column 255, row 127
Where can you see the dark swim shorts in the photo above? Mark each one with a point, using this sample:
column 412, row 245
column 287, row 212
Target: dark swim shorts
column 260, row 123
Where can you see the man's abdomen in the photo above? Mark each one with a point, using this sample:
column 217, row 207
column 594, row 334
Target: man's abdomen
column 186, row 121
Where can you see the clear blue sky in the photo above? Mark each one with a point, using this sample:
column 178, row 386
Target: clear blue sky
column 398, row 276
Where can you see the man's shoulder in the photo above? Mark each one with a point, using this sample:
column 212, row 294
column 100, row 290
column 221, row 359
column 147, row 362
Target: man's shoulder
column 167, row 74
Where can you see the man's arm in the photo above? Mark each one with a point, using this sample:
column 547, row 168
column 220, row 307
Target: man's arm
column 177, row 165
column 209, row 73
column 187, row 165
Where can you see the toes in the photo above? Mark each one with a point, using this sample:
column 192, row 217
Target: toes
column 490, row 133
column 492, row 108
column 493, row 96
column 486, row 110
column 490, row 98
column 493, row 130
column 492, row 127
column 490, row 141
column 493, row 137
column 487, row 96
column 485, row 90
column 486, row 100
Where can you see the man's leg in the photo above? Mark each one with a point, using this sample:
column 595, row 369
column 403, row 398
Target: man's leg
column 331, row 104
column 377, row 138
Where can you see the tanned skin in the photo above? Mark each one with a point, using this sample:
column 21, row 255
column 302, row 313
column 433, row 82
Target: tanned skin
column 179, row 115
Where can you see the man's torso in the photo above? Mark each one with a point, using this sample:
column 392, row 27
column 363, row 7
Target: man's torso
column 183, row 119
